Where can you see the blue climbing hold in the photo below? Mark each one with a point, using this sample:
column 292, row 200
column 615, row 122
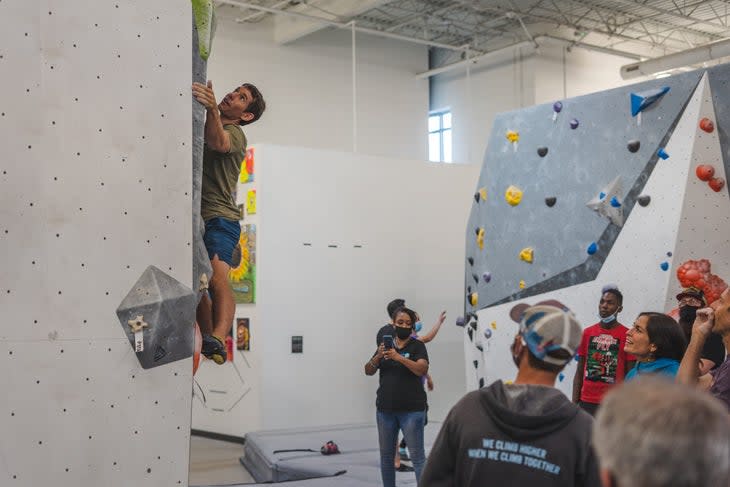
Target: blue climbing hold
column 663, row 154
column 642, row 100
column 669, row 254
column 601, row 195
column 557, row 106
column 487, row 333
column 561, row 377
column 615, row 202
column 574, row 123
column 487, row 276
column 592, row 248
column 460, row 321
column 664, row 266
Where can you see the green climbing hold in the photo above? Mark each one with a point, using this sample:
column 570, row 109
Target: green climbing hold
column 205, row 23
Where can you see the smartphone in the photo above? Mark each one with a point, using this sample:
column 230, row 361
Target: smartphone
column 388, row 341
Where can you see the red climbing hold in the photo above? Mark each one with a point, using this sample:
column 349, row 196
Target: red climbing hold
column 716, row 184
column 707, row 125
column 705, row 172
column 196, row 348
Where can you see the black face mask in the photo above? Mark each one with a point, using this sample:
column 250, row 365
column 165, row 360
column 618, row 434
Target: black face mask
column 402, row 333
column 687, row 314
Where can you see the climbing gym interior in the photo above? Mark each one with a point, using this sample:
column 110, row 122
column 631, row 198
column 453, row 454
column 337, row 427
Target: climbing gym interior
column 463, row 156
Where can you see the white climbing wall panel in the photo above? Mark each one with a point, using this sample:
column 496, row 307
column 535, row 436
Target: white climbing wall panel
column 95, row 182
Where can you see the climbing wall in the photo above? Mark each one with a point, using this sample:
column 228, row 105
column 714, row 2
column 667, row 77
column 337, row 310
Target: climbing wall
column 95, row 230
column 606, row 190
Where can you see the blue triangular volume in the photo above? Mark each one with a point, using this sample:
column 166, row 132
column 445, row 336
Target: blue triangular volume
column 640, row 101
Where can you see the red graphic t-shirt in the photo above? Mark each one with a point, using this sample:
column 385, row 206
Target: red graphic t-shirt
column 605, row 360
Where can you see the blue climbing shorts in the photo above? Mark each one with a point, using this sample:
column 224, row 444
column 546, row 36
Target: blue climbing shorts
column 221, row 237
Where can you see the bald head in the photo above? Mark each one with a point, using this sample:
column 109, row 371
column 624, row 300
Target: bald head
column 653, row 433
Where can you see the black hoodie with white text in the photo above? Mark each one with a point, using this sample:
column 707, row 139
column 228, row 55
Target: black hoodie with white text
column 513, row 435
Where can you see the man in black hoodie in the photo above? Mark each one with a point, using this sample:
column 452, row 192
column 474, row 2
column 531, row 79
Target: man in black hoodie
column 525, row 433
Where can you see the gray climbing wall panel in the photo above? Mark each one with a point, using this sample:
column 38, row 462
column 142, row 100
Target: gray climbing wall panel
column 95, row 186
column 719, row 77
column 201, row 263
column 580, row 163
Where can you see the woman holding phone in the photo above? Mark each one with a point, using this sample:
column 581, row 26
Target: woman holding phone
column 401, row 399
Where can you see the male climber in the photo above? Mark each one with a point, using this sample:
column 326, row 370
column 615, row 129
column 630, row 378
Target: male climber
column 225, row 146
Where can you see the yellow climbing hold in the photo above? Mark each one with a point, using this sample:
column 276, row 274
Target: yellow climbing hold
column 480, row 238
column 474, row 299
column 527, row 254
column 494, row 325
column 483, row 193
column 513, row 195
column 508, row 382
column 513, row 136
column 522, row 284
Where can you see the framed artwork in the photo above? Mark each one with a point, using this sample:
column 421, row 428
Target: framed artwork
column 247, row 166
column 243, row 334
column 243, row 276
column 251, row 202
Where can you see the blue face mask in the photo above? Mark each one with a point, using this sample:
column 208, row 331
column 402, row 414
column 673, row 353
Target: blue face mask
column 609, row 319
column 418, row 326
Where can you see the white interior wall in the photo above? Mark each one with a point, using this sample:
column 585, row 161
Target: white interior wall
column 308, row 88
column 409, row 217
column 507, row 83
column 513, row 80
column 561, row 74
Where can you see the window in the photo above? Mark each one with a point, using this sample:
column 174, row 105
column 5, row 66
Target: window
column 439, row 137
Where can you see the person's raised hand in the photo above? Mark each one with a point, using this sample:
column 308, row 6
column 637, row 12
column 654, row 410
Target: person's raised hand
column 442, row 317
column 704, row 321
column 381, row 352
column 205, row 95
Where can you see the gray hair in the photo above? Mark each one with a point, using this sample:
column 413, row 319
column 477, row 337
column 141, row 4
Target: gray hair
column 654, row 433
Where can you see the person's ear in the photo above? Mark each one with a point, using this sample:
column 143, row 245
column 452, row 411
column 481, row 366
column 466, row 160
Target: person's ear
column 620, row 309
column 517, row 345
column 247, row 116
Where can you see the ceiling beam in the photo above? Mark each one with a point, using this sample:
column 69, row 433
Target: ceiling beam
column 341, row 25
column 288, row 29
column 708, row 52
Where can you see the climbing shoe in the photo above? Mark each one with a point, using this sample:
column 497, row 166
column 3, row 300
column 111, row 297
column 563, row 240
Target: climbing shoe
column 214, row 349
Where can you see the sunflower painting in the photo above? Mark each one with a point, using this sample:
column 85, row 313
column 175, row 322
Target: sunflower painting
column 243, row 276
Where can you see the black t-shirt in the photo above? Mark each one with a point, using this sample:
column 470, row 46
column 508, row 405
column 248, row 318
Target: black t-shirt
column 714, row 349
column 387, row 329
column 400, row 389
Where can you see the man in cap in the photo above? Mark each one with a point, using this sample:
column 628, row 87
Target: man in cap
column 689, row 301
column 526, row 432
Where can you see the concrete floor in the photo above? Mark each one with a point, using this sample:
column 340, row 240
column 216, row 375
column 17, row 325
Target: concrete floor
column 214, row 462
